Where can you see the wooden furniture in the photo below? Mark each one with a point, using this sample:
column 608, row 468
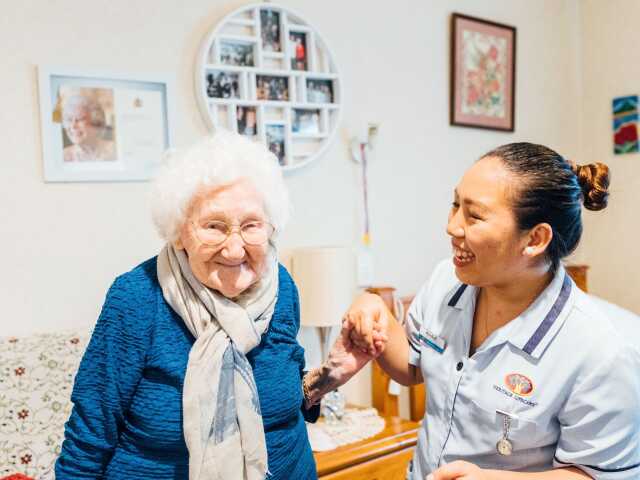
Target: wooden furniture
column 382, row 457
column 579, row 275
column 381, row 399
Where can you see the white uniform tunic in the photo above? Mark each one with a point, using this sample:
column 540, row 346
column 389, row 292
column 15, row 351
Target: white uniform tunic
column 569, row 383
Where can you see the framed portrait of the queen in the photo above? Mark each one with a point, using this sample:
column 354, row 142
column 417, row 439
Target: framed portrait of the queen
column 483, row 68
column 103, row 127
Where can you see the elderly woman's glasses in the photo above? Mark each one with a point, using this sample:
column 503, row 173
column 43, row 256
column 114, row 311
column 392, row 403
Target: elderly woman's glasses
column 252, row 233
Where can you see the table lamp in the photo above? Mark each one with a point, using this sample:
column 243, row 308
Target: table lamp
column 326, row 281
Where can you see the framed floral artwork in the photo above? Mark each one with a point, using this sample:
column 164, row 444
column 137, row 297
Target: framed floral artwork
column 483, row 73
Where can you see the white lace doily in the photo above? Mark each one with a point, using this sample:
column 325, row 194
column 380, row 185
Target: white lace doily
column 356, row 424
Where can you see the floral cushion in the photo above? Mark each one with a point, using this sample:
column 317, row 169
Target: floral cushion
column 36, row 378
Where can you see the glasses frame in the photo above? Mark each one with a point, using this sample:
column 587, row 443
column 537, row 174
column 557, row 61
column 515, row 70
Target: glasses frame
column 232, row 228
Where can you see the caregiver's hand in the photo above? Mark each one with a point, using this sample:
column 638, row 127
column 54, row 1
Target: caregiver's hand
column 367, row 322
column 459, row 470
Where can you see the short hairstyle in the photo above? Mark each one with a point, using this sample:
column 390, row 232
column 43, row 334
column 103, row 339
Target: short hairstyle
column 90, row 104
column 216, row 160
column 552, row 191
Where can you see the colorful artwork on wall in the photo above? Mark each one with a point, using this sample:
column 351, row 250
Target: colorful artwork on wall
column 482, row 73
column 625, row 124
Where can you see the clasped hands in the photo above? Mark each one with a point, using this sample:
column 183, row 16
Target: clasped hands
column 365, row 325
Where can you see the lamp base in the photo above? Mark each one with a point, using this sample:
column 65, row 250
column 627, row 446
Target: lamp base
column 332, row 407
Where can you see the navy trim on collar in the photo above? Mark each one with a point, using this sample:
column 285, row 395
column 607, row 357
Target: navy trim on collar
column 600, row 469
column 456, row 296
column 551, row 317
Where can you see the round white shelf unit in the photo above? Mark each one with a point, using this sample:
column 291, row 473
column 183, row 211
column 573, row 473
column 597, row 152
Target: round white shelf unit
column 264, row 72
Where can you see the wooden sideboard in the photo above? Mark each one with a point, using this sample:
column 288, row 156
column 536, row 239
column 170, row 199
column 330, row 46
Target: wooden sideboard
column 382, row 457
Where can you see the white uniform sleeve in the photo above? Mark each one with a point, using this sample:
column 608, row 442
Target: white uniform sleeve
column 600, row 423
column 417, row 310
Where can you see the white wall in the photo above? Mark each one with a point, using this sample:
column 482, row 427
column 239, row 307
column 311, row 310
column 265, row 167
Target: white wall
column 610, row 67
column 64, row 243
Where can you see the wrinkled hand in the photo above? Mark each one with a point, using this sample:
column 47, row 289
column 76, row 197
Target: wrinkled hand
column 459, row 470
column 367, row 321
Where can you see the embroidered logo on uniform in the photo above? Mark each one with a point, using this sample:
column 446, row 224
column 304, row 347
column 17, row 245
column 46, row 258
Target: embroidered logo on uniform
column 519, row 384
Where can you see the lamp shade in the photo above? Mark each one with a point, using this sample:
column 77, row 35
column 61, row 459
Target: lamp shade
column 325, row 277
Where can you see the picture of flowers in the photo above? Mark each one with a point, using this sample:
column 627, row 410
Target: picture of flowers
column 625, row 124
column 482, row 73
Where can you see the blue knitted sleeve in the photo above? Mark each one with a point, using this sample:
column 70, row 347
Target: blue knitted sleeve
column 105, row 383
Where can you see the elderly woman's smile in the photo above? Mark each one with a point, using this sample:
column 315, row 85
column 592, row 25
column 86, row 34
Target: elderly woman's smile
column 231, row 266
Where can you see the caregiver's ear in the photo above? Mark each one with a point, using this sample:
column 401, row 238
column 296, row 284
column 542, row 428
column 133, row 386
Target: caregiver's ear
column 538, row 239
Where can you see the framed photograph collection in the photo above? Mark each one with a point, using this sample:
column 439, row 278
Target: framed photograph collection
column 103, row 127
column 266, row 73
column 483, row 73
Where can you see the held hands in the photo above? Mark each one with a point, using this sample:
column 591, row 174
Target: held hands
column 459, row 470
column 363, row 337
column 367, row 322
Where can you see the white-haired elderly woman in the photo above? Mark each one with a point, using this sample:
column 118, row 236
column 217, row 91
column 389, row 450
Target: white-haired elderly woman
column 84, row 123
column 193, row 370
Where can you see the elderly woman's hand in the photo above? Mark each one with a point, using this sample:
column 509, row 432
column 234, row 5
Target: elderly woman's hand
column 367, row 321
column 347, row 357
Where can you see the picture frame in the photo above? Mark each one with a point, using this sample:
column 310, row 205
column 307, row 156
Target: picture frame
column 306, row 121
column 483, row 73
column 247, row 120
column 319, row 90
column 270, row 27
column 237, row 54
column 298, row 50
column 272, row 87
column 103, row 127
column 223, row 84
column 295, row 83
column 275, row 135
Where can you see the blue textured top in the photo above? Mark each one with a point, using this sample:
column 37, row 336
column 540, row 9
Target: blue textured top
column 127, row 415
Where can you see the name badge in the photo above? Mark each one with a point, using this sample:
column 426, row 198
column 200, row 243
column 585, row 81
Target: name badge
column 430, row 339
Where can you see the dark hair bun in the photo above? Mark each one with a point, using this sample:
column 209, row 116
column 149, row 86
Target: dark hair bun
column 594, row 181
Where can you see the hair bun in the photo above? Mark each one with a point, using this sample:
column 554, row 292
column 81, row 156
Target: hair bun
column 594, row 181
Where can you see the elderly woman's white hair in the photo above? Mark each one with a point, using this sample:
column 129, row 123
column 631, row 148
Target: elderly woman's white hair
column 215, row 161
column 89, row 104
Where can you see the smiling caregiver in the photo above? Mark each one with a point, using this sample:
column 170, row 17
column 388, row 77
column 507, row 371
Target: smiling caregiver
column 523, row 372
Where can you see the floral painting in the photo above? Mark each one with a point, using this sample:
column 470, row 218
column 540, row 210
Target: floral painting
column 483, row 86
column 483, row 74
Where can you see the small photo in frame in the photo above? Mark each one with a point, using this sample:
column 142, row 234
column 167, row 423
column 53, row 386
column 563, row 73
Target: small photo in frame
column 102, row 127
column 306, row 121
column 223, row 85
column 247, row 120
column 483, row 63
column 275, row 141
column 319, row 91
column 298, row 50
column 237, row 54
column 270, row 30
column 272, row 87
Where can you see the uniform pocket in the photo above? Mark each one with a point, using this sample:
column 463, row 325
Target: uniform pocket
column 522, row 434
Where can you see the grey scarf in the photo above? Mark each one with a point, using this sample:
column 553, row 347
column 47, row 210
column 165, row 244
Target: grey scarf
column 222, row 421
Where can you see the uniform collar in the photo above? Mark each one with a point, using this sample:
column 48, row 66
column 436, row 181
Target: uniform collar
column 534, row 328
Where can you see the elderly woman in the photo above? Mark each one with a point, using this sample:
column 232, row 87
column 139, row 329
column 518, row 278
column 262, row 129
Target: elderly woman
column 193, row 370
column 84, row 123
